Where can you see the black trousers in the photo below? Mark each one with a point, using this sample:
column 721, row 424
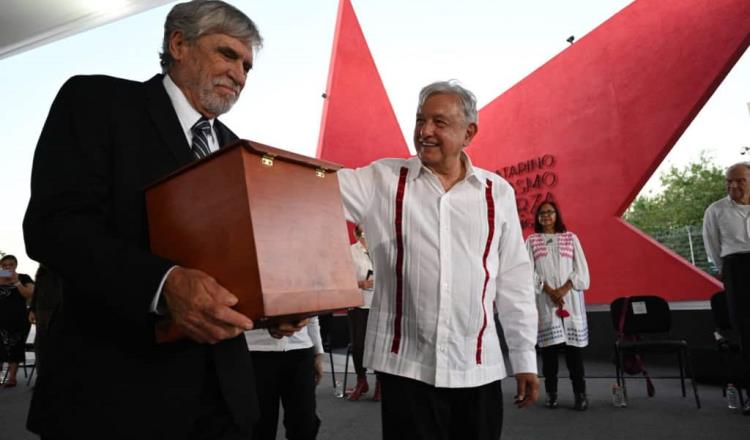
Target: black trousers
column 574, row 361
column 357, row 331
column 287, row 377
column 214, row 418
column 214, row 421
column 418, row 411
column 736, row 272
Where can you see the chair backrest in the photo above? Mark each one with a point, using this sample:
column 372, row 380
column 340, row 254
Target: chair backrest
column 720, row 311
column 645, row 314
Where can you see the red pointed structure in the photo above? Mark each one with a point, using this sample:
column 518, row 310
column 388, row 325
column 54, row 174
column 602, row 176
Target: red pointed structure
column 588, row 128
column 358, row 124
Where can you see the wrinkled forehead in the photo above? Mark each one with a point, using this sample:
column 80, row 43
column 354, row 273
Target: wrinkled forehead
column 220, row 38
column 738, row 172
column 441, row 103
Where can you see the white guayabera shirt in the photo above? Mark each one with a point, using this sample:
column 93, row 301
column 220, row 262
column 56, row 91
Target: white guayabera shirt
column 726, row 229
column 442, row 260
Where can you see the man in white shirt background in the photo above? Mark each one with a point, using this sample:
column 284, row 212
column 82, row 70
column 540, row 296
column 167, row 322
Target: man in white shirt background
column 446, row 243
column 726, row 236
column 287, row 370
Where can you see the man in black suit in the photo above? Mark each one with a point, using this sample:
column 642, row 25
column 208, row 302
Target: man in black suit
column 104, row 141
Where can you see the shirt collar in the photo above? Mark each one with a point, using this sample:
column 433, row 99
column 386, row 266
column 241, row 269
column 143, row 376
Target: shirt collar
column 186, row 114
column 416, row 168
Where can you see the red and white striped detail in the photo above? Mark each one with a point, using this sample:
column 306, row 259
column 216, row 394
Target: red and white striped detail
column 490, row 235
column 401, row 189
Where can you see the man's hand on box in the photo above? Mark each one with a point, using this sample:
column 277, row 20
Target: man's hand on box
column 287, row 328
column 201, row 307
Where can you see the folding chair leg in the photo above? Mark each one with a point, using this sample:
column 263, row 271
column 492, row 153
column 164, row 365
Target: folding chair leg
column 618, row 370
column 692, row 378
column 31, row 376
column 682, row 370
column 346, row 368
column 622, row 372
column 333, row 370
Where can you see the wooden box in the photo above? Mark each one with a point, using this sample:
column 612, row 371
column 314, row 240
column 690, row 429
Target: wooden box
column 266, row 223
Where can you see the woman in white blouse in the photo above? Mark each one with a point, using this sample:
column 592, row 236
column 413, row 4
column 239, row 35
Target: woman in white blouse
column 560, row 277
column 358, row 316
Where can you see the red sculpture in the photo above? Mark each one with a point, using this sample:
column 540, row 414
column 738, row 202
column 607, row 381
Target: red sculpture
column 588, row 128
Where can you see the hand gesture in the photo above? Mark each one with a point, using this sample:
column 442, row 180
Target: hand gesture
column 527, row 389
column 201, row 307
column 556, row 297
column 287, row 328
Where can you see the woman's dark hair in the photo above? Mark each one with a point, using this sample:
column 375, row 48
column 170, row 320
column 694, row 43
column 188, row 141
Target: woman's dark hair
column 9, row 257
column 559, row 224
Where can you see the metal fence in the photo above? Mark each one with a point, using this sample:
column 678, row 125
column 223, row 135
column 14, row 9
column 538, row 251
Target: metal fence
column 688, row 242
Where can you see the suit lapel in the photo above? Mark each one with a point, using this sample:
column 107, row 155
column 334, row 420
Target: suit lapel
column 224, row 135
column 165, row 120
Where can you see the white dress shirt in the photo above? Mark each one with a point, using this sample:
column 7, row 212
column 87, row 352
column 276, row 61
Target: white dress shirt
column 726, row 229
column 187, row 116
column 362, row 265
column 457, row 257
column 261, row 340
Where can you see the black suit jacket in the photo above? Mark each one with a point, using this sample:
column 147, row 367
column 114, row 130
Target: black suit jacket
column 104, row 141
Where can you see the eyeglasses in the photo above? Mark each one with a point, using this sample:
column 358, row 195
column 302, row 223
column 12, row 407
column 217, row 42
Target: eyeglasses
column 541, row 213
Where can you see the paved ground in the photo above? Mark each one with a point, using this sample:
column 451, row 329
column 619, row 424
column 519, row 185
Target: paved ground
column 666, row 416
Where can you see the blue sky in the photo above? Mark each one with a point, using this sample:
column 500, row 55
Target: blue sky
column 488, row 44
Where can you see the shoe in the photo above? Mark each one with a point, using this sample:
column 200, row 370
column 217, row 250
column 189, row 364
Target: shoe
column 359, row 389
column 551, row 402
column 746, row 409
column 376, row 394
column 582, row 402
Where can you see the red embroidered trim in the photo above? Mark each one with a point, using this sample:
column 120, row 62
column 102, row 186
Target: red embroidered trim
column 396, row 344
column 490, row 234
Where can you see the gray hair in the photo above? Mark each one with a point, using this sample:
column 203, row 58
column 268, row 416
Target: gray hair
column 737, row 165
column 452, row 87
column 204, row 17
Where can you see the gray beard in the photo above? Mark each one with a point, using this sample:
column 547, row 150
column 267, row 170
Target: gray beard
column 216, row 104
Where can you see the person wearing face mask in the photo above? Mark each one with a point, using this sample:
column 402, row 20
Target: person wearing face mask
column 15, row 290
column 560, row 277
column 726, row 236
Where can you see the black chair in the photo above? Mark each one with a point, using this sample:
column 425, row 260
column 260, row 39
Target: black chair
column 648, row 315
column 726, row 340
column 334, row 331
column 25, row 365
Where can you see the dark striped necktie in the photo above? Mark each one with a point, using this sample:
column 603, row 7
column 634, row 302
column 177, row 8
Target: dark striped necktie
column 201, row 131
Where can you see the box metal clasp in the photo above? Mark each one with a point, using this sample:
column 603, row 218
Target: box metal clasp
column 266, row 160
column 320, row 172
